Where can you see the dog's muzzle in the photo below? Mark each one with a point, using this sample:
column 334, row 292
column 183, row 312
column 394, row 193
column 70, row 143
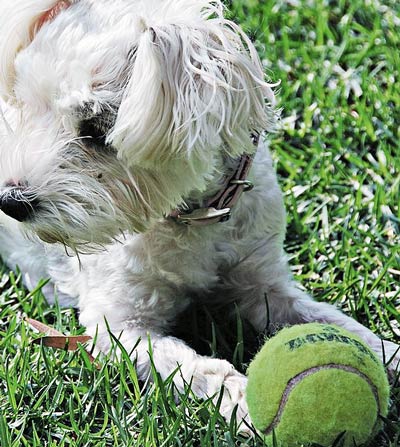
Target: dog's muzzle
column 17, row 203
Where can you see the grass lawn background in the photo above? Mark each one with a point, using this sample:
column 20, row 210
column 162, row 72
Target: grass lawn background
column 338, row 158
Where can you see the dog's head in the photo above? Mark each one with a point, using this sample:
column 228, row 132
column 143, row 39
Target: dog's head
column 119, row 109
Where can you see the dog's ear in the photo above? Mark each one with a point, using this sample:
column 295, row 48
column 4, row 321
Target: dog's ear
column 192, row 88
column 19, row 23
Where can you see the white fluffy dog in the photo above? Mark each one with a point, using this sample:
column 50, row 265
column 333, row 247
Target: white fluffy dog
column 128, row 131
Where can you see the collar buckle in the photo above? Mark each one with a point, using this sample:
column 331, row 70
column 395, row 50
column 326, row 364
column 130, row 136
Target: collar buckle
column 204, row 216
column 247, row 184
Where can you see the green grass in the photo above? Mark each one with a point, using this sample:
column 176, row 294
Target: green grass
column 338, row 160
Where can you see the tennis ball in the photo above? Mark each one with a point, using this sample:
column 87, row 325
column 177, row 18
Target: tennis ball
column 313, row 382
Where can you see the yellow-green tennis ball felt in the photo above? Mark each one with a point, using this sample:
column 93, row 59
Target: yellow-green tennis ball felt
column 312, row 382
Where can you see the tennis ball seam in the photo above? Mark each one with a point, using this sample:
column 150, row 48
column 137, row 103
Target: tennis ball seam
column 308, row 372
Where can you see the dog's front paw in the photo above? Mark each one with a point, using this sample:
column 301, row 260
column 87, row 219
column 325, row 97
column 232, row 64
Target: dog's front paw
column 235, row 387
column 212, row 377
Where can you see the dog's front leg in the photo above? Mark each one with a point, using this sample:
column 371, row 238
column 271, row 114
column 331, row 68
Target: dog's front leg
column 206, row 376
column 306, row 310
column 270, row 296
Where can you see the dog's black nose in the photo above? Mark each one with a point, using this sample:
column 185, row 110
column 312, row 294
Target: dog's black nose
column 18, row 204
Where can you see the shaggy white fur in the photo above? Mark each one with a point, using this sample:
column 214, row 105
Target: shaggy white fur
column 117, row 112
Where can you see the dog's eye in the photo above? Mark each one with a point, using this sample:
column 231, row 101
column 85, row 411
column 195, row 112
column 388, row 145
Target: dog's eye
column 92, row 130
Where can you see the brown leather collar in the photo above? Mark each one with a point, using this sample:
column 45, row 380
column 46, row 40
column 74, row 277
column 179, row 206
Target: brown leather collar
column 218, row 208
